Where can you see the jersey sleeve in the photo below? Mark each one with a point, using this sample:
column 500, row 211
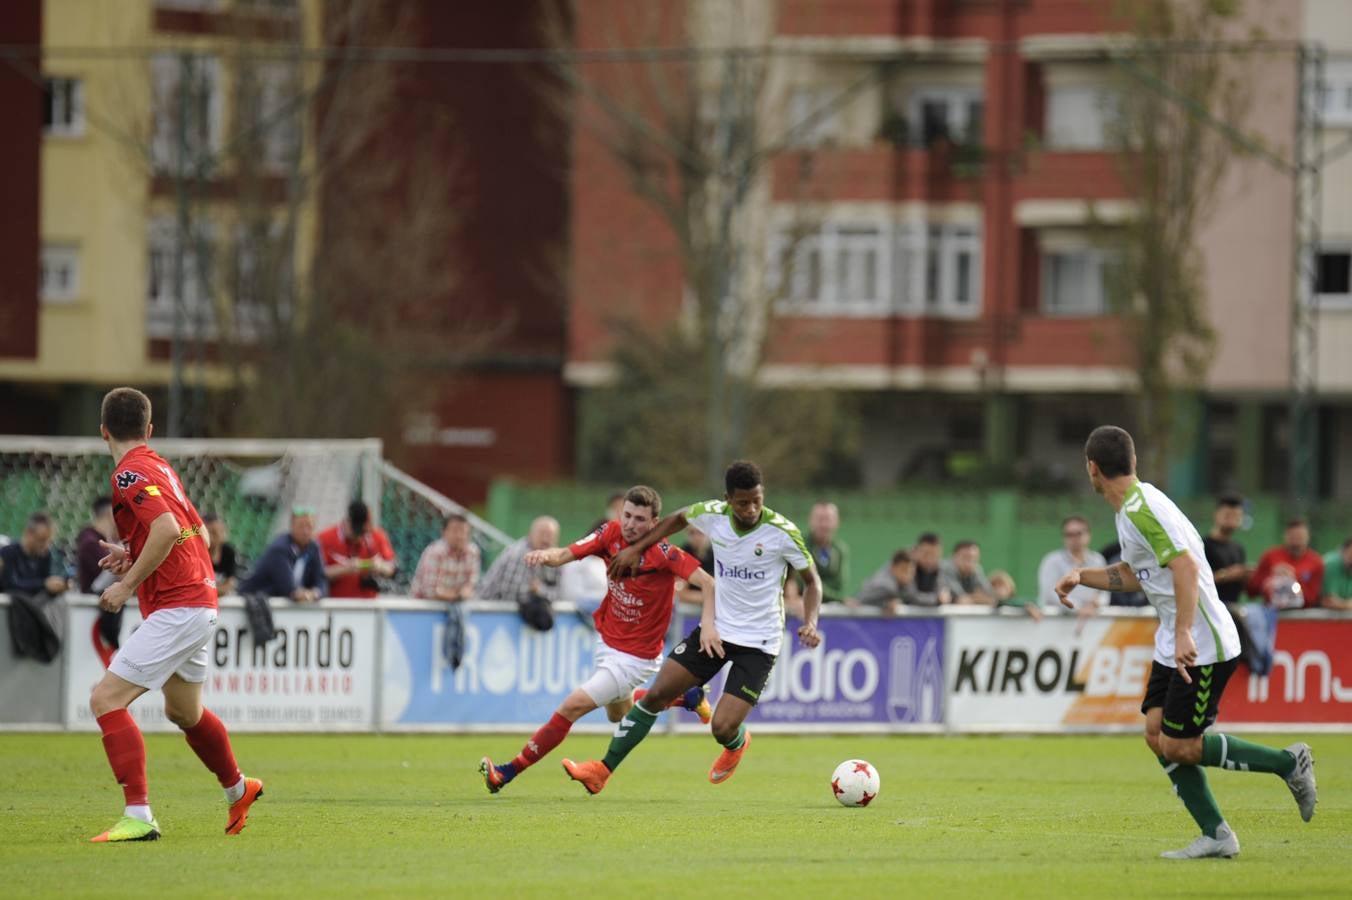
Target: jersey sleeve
column 1165, row 543
column 795, row 548
column 699, row 514
column 141, row 494
column 592, row 544
column 678, row 562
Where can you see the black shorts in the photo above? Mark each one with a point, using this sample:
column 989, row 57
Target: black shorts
column 747, row 677
column 1189, row 709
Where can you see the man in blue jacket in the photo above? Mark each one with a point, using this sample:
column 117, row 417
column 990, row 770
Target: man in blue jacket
column 290, row 565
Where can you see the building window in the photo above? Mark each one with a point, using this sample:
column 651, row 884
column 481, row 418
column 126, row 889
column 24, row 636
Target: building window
column 59, row 273
column 62, row 107
column 1077, row 117
column 198, row 103
column 1333, row 275
column 814, row 117
column 1336, row 102
column 189, row 4
column 276, row 7
column 260, row 278
column 951, row 114
column 199, row 318
column 1075, row 282
column 879, row 268
column 267, row 111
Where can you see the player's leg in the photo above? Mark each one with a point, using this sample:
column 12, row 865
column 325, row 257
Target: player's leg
column 549, row 735
column 126, row 751
column 1294, row 765
column 1166, row 697
column 696, row 700
column 746, row 680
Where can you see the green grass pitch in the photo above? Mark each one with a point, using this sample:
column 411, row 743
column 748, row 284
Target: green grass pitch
column 408, row 815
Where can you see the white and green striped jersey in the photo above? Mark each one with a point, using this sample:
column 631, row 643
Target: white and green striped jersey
column 1154, row 532
column 749, row 571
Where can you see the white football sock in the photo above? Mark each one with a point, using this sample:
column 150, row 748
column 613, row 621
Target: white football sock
column 235, row 791
column 139, row 812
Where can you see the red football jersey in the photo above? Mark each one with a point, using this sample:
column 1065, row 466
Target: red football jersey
column 146, row 487
column 636, row 611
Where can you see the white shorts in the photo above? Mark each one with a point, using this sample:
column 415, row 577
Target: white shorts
column 617, row 674
column 170, row 642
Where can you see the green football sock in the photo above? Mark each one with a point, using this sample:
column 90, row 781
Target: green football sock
column 1230, row 752
column 1191, row 787
column 738, row 739
column 631, row 729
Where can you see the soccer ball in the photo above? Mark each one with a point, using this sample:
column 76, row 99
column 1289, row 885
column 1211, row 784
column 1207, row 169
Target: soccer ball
column 855, row 783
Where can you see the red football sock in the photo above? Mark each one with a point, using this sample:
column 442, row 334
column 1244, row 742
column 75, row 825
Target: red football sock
column 126, row 754
column 549, row 736
column 209, row 740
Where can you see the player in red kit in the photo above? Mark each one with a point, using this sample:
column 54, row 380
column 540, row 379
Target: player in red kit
column 165, row 558
column 631, row 621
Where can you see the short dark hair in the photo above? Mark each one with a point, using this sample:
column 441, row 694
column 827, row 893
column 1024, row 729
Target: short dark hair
column 901, row 556
column 454, row 517
column 1347, row 543
column 618, row 495
column 126, row 414
column 1229, row 499
column 1075, row 518
column 642, row 495
column 963, row 545
column 101, row 503
column 358, row 515
column 1296, row 523
column 1112, row 450
column 38, row 520
column 929, row 537
column 210, row 516
column 742, row 475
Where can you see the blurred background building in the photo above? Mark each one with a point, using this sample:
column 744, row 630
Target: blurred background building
column 344, row 218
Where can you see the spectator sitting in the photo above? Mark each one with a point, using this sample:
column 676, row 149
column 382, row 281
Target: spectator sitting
column 614, row 504
column 1002, row 583
column 1225, row 557
column 30, row 565
column 892, row 586
column 355, row 553
column 449, row 568
column 532, row 588
column 965, row 579
column 930, row 589
column 1338, row 578
column 697, row 544
column 1074, row 554
column 90, row 578
column 224, row 559
column 830, row 554
column 291, row 565
column 1112, row 553
column 1291, row 575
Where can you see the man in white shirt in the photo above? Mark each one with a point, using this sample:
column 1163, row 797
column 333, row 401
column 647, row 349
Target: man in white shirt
column 1196, row 645
column 1074, row 554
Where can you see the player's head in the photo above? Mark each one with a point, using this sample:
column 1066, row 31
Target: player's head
column 1109, row 454
column 966, row 556
column 216, row 528
column 1229, row 514
column 302, row 525
column 456, row 531
column 37, row 534
column 125, row 416
column 544, row 533
column 1075, row 534
column 615, row 504
column 1347, row 552
column 745, row 492
column 928, row 551
column 639, row 512
column 903, row 567
column 823, row 522
column 358, row 517
column 1296, row 537
column 101, row 510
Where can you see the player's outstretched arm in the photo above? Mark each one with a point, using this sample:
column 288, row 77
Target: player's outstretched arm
column 163, row 532
column 626, row 562
column 1118, row 578
column 553, row 557
column 812, row 604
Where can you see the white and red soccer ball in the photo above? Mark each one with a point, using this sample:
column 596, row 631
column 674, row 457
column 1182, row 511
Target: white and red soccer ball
column 855, row 783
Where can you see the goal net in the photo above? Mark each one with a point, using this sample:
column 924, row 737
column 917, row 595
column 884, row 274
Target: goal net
column 251, row 484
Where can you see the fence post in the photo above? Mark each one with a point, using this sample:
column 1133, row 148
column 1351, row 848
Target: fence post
column 502, row 504
column 1002, row 511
